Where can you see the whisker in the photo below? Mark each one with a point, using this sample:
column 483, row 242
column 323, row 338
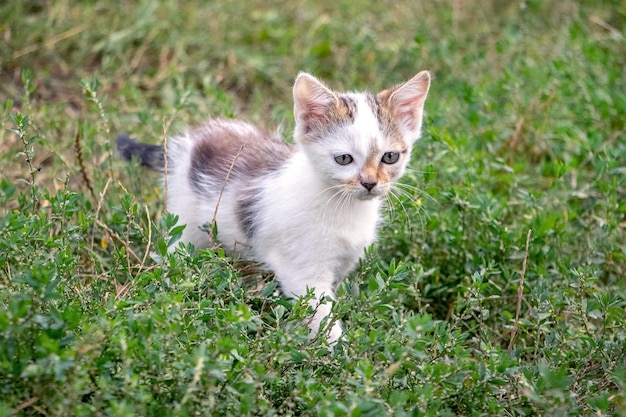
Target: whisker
column 391, row 206
column 416, row 171
column 420, row 192
column 339, row 193
column 338, row 186
column 344, row 201
column 397, row 192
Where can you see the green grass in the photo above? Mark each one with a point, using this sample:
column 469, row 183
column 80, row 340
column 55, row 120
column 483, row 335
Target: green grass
column 525, row 131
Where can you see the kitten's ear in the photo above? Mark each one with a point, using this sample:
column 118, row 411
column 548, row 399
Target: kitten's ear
column 407, row 102
column 312, row 102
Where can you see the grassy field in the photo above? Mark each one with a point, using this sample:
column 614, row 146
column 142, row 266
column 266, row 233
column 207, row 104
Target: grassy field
column 497, row 287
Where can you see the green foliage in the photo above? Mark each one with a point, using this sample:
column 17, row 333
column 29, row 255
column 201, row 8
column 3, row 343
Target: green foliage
column 453, row 313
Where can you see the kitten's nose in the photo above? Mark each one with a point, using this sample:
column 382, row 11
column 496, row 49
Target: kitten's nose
column 368, row 185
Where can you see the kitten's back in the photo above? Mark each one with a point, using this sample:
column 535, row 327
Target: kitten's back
column 223, row 147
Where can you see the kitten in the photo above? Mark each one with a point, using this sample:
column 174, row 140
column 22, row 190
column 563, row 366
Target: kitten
column 306, row 212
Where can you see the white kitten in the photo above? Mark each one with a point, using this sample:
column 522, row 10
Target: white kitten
column 307, row 211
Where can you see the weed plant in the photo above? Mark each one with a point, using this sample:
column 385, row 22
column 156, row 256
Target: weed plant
column 496, row 288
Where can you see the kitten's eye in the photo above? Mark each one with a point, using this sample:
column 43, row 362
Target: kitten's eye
column 390, row 157
column 344, row 159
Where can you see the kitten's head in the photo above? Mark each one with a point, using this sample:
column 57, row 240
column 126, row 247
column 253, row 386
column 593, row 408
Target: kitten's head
column 360, row 143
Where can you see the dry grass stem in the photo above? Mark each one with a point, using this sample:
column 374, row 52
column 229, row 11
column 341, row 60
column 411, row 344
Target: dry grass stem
column 230, row 169
column 81, row 164
column 50, row 42
column 520, row 293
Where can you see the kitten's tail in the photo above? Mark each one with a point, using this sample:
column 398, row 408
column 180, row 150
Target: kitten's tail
column 151, row 156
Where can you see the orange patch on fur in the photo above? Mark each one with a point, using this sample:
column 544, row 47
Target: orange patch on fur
column 371, row 171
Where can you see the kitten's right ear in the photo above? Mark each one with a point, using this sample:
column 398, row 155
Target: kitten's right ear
column 312, row 102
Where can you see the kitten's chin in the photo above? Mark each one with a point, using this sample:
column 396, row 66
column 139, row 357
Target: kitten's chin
column 367, row 196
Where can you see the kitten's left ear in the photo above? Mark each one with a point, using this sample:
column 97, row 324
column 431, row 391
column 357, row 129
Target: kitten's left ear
column 312, row 102
column 407, row 102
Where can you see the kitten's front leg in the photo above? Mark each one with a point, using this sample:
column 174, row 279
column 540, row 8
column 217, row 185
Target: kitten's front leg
column 322, row 302
column 322, row 310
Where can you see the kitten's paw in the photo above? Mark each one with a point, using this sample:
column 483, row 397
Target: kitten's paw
column 335, row 333
column 332, row 334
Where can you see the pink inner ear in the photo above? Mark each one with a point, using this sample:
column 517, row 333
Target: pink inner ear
column 410, row 110
column 409, row 103
column 408, row 100
column 312, row 101
column 315, row 110
column 312, row 114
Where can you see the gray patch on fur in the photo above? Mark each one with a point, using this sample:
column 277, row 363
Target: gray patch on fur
column 247, row 212
column 374, row 103
column 221, row 153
